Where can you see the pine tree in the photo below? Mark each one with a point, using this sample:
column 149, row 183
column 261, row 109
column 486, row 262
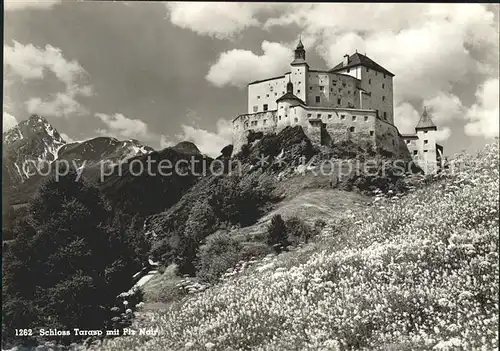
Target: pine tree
column 277, row 234
column 69, row 263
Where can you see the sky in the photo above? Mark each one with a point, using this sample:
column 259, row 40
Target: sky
column 165, row 72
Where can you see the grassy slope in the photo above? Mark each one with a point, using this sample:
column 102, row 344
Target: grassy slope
column 415, row 273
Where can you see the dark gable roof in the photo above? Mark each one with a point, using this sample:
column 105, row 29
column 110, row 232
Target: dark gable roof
column 361, row 60
column 290, row 96
column 425, row 121
column 265, row 80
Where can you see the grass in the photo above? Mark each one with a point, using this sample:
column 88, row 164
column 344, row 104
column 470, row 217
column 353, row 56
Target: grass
column 417, row 272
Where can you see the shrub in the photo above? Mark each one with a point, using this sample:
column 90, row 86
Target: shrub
column 298, row 231
column 219, row 254
column 254, row 249
column 277, row 236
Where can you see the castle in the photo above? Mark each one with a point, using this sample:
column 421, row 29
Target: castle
column 352, row 101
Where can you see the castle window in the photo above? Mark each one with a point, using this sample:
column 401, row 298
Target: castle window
column 246, row 125
column 321, row 88
column 407, row 141
column 265, row 121
column 383, row 85
column 334, row 82
column 383, row 98
column 425, row 132
column 267, row 95
column 339, row 101
column 279, row 118
column 348, row 92
column 366, row 118
column 372, row 132
column 319, row 115
column 309, row 115
column 298, row 91
column 258, row 97
column 348, row 70
column 331, row 90
column 286, row 116
column 281, row 106
column 275, row 94
column 329, row 116
column 353, row 118
column 385, row 115
column 352, row 129
column 317, row 98
column 369, row 81
column 310, row 88
column 265, row 107
column 384, row 77
column 426, row 141
column 425, row 150
column 415, row 152
column 255, row 108
column 342, row 116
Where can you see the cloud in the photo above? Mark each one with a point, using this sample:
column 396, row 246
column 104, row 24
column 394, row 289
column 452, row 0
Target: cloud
column 119, row 126
column 164, row 142
column 239, row 67
column 445, row 107
column 443, row 134
column 12, row 5
column 220, row 20
column 406, row 118
column 33, row 63
column 483, row 116
column 209, row 143
column 8, row 121
column 62, row 105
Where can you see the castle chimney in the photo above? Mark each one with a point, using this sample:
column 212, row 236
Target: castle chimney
column 346, row 60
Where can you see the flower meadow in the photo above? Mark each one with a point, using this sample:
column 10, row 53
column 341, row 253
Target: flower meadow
column 413, row 272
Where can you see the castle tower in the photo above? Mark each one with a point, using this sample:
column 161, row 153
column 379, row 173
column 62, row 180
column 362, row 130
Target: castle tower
column 299, row 72
column 429, row 152
column 286, row 114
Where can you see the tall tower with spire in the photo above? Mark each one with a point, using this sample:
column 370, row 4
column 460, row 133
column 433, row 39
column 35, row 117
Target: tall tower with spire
column 299, row 72
column 429, row 151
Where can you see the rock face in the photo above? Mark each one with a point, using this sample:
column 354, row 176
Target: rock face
column 99, row 149
column 32, row 140
column 186, row 147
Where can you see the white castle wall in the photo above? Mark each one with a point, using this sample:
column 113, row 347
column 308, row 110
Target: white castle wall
column 265, row 93
column 380, row 86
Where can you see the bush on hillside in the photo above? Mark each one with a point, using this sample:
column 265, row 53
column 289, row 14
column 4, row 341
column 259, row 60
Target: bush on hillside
column 277, row 236
column 219, row 254
column 299, row 232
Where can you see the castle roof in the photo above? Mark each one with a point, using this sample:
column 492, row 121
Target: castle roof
column 358, row 59
column 290, row 96
column 300, row 45
column 425, row 121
